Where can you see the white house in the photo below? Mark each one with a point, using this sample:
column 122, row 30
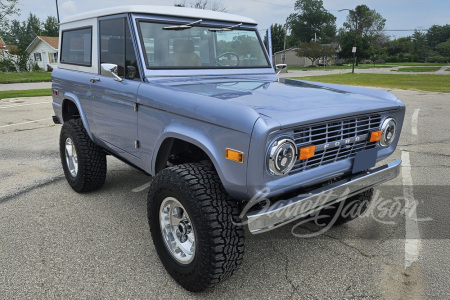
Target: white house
column 44, row 51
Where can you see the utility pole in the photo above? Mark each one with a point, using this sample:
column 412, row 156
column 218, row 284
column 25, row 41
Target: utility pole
column 57, row 11
column 284, row 47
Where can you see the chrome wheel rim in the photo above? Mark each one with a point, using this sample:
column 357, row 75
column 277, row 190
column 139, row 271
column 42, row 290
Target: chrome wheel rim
column 177, row 230
column 71, row 157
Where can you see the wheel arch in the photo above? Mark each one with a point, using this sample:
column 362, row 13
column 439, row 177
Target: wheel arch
column 71, row 109
column 165, row 146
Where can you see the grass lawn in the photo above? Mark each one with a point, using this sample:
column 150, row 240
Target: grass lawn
column 346, row 67
column 426, row 82
column 25, row 93
column 419, row 69
column 447, row 69
column 25, row 77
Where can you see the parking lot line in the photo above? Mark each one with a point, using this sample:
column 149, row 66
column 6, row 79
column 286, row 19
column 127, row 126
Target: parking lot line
column 412, row 236
column 23, row 123
column 414, row 121
column 141, row 188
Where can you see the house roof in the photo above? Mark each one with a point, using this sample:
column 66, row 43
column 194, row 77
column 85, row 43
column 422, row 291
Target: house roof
column 161, row 10
column 49, row 40
column 52, row 41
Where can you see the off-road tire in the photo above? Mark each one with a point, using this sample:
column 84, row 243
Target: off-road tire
column 345, row 211
column 219, row 243
column 91, row 158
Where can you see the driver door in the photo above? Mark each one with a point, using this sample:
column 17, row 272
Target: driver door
column 114, row 95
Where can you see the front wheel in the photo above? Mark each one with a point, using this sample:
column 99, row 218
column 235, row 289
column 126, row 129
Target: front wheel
column 191, row 222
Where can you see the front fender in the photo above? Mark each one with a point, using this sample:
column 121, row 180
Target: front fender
column 213, row 140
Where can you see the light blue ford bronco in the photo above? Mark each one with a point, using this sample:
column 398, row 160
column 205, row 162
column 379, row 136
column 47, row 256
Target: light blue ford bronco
column 190, row 97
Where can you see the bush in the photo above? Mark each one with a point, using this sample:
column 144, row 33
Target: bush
column 35, row 67
column 7, row 65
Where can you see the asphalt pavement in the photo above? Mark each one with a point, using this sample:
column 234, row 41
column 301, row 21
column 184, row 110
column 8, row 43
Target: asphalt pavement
column 25, row 86
column 57, row 244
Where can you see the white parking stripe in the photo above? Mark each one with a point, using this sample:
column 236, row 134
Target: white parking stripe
column 17, row 124
column 141, row 188
column 412, row 238
column 12, row 105
column 414, row 121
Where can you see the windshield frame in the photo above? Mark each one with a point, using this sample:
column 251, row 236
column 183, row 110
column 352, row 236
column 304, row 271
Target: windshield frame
column 204, row 24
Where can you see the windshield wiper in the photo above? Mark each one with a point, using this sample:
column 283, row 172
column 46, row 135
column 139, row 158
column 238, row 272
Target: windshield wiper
column 226, row 28
column 182, row 27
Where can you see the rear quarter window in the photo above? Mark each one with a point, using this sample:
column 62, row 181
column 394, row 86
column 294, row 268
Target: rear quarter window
column 76, row 46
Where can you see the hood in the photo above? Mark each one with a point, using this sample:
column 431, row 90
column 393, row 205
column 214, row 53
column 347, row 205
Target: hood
column 291, row 102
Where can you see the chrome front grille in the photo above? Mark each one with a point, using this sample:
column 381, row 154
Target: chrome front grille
column 335, row 140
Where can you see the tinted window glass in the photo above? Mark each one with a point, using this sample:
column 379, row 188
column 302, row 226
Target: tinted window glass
column 116, row 47
column 77, row 47
column 199, row 47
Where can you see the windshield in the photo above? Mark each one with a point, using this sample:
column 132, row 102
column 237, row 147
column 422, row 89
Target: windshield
column 200, row 47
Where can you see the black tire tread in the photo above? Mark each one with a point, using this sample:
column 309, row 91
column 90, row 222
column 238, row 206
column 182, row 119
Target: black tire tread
column 223, row 240
column 91, row 158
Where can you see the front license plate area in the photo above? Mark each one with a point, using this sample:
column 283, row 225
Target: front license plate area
column 365, row 160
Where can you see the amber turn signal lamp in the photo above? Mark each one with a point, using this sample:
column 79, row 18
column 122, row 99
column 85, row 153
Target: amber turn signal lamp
column 306, row 152
column 234, row 155
column 375, row 136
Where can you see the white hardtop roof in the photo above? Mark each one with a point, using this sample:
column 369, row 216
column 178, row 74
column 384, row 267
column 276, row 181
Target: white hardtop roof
column 161, row 10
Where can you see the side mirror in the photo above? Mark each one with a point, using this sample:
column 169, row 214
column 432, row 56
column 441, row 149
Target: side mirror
column 280, row 67
column 110, row 70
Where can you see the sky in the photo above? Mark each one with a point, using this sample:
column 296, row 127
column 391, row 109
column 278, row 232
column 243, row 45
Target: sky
column 404, row 15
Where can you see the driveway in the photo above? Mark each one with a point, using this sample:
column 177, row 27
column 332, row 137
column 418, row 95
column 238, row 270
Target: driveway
column 25, row 86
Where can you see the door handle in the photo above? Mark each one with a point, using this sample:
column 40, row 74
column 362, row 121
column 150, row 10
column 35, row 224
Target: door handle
column 94, row 79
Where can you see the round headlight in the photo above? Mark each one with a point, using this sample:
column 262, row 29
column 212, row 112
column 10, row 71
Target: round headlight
column 282, row 156
column 389, row 130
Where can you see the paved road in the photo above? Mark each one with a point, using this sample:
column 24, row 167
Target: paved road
column 25, row 86
column 55, row 243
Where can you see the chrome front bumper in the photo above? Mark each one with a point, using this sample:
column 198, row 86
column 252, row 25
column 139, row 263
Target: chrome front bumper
column 302, row 205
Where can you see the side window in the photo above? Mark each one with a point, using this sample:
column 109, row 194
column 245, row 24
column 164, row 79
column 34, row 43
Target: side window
column 76, row 47
column 116, row 47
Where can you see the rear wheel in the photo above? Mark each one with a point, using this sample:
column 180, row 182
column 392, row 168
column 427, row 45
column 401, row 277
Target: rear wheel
column 84, row 162
column 191, row 222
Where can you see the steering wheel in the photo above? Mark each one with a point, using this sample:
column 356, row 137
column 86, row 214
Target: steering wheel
column 229, row 55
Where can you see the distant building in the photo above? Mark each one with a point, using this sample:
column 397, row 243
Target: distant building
column 5, row 50
column 44, row 51
column 292, row 60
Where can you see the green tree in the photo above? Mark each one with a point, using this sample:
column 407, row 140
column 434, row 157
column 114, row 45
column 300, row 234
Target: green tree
column 50, row 27
column 400, row 45
column 278, row 32
column 311, row 20
column 420, row 45
column 365, row 21
column 8, row 8
column 363, row 29
column 437, row 35
column 444, row 49
column 34, row 25
column 314, row 50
